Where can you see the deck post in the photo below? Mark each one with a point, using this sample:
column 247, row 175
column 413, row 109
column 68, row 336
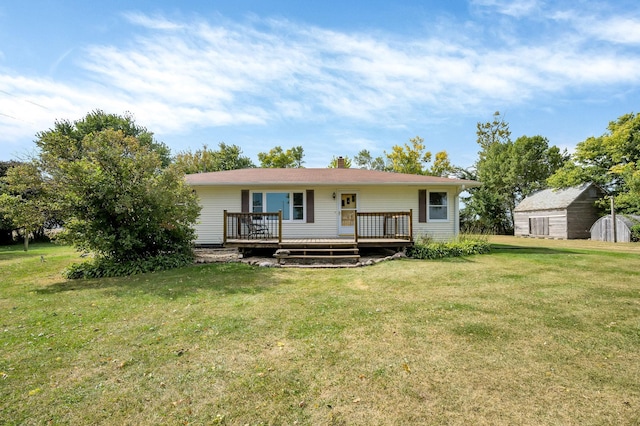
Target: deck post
column 410, row 224
column 224, row 227
column 355, row 226
column 279, row 226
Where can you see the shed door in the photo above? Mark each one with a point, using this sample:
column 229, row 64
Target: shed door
column 538, row 226
column 348, row 205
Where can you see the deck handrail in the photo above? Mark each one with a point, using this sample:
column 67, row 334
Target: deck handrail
column 252, row 226
column 268, row 226
column 397, row 225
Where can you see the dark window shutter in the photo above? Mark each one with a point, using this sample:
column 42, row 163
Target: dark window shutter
column 422, row 205
column 245, row 201
column 310, row 206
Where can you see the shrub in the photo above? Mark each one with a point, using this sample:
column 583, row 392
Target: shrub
column 426, row 248
column 105, row 267
column 635, row 233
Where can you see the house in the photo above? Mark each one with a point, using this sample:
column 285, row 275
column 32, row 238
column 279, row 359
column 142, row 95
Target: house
column 602, row 230
column 562, row 213
column 257, row 207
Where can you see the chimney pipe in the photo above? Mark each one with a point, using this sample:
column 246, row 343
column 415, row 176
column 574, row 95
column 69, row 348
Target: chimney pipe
column 340, row 163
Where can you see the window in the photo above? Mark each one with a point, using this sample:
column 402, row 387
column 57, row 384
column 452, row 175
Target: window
column 291, row 204
column 438, row 208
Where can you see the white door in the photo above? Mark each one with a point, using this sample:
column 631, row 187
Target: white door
column 347, row 205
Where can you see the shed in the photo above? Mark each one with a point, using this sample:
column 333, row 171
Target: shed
column 602, row 229
column 558, row 213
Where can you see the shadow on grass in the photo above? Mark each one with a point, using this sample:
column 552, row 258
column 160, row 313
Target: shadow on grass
column 507, row 248
column 219, row 279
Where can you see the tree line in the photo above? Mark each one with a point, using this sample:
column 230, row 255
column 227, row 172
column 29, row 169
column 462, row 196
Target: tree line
column 118, row 193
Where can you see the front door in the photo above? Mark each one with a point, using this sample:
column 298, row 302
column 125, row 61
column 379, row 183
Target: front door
column 348, row 207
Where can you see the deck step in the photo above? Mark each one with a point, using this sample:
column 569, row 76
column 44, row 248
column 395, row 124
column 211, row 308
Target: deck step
column 318, row 252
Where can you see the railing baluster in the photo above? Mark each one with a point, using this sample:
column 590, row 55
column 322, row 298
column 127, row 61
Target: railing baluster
column 395, row 225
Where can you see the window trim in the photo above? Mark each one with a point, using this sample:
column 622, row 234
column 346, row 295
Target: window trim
column 303, row 219
column 446, row 205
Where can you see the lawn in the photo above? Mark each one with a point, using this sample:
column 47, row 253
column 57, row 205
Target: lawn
column 538, row 332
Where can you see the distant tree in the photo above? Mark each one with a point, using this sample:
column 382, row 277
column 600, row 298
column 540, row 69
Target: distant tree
column 334, row 162
column 611, row 161
column 24, row 201
column 441, row 165
column 278, row 158
column 6, row 225
column 408, row 158
column 509, row 171
column 414, row 159
column 227, row 157
column 364, row 160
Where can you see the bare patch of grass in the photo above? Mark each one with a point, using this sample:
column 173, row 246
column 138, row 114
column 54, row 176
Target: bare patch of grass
column 531, row 334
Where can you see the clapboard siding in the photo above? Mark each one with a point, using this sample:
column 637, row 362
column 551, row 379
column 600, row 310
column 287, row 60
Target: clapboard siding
column 573, row 220
column 214, row 200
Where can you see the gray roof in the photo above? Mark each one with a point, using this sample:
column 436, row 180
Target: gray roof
column 326, row 176
column 552, row 199
column 628, row 219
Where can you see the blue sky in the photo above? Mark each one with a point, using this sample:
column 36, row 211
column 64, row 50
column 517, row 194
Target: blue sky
column 335, row 77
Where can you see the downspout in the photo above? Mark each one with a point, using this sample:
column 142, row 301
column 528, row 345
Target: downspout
column 456, row 211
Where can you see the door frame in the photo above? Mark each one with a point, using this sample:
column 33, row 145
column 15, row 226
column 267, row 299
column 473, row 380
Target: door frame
column 346, row 231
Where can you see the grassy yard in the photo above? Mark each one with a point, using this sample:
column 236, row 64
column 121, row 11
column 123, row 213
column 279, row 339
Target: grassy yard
column 538, row 332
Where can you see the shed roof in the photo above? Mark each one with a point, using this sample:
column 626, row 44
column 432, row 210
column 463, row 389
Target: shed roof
column 628, row 219
column 318, row 177
column 552, row 199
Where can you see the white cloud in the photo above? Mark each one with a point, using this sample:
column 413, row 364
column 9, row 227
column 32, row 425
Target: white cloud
column 154, row 23
column 183, row 74
column 513, row 8
column 624, row 30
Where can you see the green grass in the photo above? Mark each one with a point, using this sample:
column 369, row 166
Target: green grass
column 538, row 332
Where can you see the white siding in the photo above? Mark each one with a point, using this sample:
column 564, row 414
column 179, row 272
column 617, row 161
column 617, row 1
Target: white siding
column 214, row 200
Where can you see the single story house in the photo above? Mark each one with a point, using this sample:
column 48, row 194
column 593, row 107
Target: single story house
column 262, row 207
column 558, row 213
column 602, row 230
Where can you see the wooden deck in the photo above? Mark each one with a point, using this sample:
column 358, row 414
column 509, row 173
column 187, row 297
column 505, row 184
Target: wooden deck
column 287, row 242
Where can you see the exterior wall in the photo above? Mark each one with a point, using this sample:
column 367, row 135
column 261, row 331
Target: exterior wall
column 602, row 230
column 582, row 214
column 214, row 200
column 556, row 219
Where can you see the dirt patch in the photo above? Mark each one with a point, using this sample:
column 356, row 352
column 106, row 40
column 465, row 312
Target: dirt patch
column 217, row 255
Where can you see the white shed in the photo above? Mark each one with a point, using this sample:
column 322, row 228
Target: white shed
column 602, row 230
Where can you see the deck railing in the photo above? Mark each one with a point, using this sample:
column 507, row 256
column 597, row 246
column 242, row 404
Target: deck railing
column 253, row 226
column 396, row 225
column 268, row 226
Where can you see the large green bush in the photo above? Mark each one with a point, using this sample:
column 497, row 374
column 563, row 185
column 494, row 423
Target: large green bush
column 425, row 248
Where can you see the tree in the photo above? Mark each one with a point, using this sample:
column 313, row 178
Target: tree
column 612, row 161
column 66, row 140
column 413, row 159
column 24, row 201
column 277, row 158
column 227, row 157
column 121, row 204
column 117, row 195
column 408, row 158
column 6, row 225
column 365, row 161
column 334, row 162
column 509, row 171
